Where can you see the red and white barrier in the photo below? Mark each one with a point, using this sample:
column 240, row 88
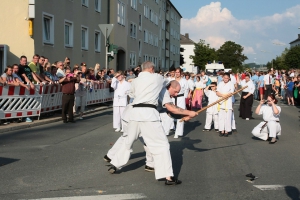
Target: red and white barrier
column 16, row 102
column 52, row 98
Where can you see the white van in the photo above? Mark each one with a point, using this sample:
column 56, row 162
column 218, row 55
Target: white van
column 212, row 69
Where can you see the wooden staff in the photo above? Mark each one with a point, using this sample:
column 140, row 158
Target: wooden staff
column 214, row 103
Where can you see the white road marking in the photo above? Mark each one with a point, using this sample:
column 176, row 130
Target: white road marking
column 100, row 197
column 270, row 187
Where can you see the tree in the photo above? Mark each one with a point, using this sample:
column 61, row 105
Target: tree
column 292, row 58
column 231, row 54
column 203, row 54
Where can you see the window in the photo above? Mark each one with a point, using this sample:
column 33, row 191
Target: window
column 163, row 44
column 84, row 38
column 145, row 36
column 121, row 13
column 132, row 59
column 97, row 41
column 146, row 11
column 140, row 22
column 146, row 58
column 132, row 30
column 85, row 3
column 133, row 4
column 98, row 5
column 140, row 48
column 48, row 28
column 68, row 33
column 141, row 1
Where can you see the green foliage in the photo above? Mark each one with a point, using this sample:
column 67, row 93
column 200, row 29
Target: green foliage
column 231, row 54
column 202, row 54
column 292, row 58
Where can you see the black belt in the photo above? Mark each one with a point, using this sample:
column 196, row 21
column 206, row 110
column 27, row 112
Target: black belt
column 265, row 124
column 144, row 105
column 179, row 95
column 68, row 94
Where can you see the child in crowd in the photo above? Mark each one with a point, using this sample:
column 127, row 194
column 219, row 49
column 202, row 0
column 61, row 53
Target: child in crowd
column 289, row 91
column 212, row 112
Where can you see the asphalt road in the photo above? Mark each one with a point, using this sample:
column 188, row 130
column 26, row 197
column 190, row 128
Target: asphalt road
column 66, row 160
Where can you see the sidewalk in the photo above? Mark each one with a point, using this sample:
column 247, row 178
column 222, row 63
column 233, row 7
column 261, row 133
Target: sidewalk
column 47, row 119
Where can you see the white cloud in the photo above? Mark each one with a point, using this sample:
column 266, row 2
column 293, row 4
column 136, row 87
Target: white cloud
column 216, row 25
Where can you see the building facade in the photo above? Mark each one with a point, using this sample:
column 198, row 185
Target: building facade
column 295, row 42
column 143, row 30
column 188, row 45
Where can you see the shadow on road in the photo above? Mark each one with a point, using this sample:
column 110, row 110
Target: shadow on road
column 292, row 192
column 6, row 161
column 191, row 126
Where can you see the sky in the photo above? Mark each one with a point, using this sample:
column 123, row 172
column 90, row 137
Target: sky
column 263, row 27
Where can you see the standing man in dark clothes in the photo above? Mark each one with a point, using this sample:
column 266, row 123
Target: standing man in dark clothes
column 68, row 90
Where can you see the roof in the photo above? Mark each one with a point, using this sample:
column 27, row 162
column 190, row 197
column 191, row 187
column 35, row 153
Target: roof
column 185, row 39
column 298, row 39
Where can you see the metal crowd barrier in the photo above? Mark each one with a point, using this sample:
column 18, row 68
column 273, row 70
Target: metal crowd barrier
column 17, row 102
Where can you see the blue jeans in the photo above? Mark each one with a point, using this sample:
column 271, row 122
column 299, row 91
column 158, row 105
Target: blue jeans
column 282, row 93
column 255, row 94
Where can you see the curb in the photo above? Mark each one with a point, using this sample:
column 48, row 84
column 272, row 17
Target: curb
column 40, row 122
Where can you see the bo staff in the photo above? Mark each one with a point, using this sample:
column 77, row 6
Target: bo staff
column 222, row 99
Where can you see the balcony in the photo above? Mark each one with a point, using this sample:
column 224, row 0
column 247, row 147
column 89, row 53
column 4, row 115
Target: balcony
column 167, row 53
column 167, row 35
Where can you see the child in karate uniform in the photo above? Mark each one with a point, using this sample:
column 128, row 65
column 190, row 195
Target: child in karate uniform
column 211, row 112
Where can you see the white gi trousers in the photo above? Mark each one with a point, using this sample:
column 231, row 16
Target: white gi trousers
column 180, row 125
column 211, row 117
column 233, row 125
column 225, row 120
column 117, row 113
column 271, row 129
column 167, row 122
column 157, row 144
column 120, row 144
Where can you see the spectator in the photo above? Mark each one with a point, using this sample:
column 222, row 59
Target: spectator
column 60, row 69
column 137, row 70
column 191, row 85
column 67, row 63
column 283, row 86
column 2, row 81
column 297, row 89
column 220, row 76
column 17, row 78
column 268, row 84
column 53, row 74
column 42, row 71
column 68, row 90
column 8, row 78
column 80, row 94
column 101, row 76
column 91, row 74
column 46, row 60
column 130, row 76
column 83, row 70
column 289, row 91
column 35, row 68
column 47, row 66
column 112, row 73
column 96, row 69
column 255, row 80
column 261, row 85
column 25, row 72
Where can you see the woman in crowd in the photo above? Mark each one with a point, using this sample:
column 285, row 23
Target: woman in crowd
column 101, row 76
column 270, row 127
column 289, row 91
column 282, row 87
column 198, row 93
column 96, row 69
column 91, row 74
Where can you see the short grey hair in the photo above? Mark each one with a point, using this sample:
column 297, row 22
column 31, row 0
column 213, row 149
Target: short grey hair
column 147, row 65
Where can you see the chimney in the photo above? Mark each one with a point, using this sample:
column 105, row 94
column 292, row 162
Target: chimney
column 187, row 36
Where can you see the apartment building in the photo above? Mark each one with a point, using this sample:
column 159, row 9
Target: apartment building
column 143, row 30
column 188, row 45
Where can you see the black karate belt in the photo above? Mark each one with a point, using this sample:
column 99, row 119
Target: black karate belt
column 144, row 105
column 265, row 124
column 179, row 95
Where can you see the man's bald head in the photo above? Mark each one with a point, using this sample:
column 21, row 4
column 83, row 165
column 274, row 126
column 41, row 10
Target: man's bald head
column 174, row 88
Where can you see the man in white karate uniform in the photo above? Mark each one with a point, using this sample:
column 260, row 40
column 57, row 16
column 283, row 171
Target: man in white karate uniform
column 143, row 120
column 180, row 99
column 233, row 80
column 121, row 87
column 225, row 88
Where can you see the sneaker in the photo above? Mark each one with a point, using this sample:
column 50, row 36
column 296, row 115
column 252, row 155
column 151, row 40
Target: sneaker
column 175, row 136
column 149, row 169
column 247, row 119
column 107, row 159
column 206, row 130
column 5, row 123
column 216, row 130
column 28, row 120
column 117, row 130
column 173, row 181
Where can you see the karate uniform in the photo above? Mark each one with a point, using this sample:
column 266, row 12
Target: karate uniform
column 180, row 102
column 246, row 104
column 233, row 81
column 145, row 122
column 120, row 100
column 211, row 112
column 225, row 107
column 270, row 127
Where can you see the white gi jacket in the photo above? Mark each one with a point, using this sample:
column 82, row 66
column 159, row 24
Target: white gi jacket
column 121, row 92
column 226, row 88
column 250, row 88
column 267, row 112
column 145, row 89
column 191, row 84
column 212, row 97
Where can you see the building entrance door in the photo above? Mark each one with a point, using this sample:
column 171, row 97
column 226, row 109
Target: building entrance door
column 121, row 60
